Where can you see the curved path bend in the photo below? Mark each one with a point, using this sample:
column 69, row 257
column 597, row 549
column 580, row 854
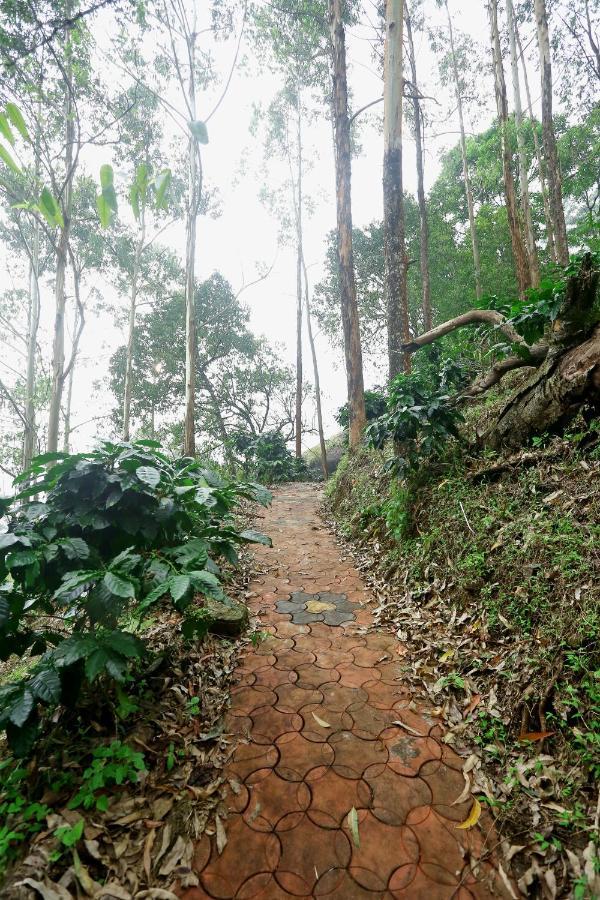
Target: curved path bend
column 316, row 705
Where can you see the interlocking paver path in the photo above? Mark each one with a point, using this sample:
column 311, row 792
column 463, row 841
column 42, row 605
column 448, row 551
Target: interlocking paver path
column 315, row 706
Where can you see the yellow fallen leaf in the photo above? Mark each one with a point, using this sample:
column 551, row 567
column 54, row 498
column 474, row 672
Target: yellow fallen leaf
column 353, row 826
column 473, row 817
column 321, row 722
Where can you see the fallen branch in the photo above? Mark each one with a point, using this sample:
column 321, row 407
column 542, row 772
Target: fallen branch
column 472, row 317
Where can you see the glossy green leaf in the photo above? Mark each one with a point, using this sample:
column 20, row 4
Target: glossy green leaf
column 50, row 209
column 149, row 475
column 7, row 158
column 120, row 587
column 5, row 129
column 161, row 187
column 16, row 117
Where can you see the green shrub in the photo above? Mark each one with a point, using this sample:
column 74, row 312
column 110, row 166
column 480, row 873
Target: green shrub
column 419, row 420
column 267, row 458
column 93, row 541
column 375, row 406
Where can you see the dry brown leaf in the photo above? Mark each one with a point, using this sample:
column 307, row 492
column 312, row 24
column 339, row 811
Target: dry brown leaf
column 221, row 834
column 406, row 727
column 147, row 857
column 48, row 890
column 532, row 736
column 173, row 856
column 112, row 891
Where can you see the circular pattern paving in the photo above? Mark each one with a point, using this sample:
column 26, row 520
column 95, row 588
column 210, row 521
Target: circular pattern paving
column 334, row 798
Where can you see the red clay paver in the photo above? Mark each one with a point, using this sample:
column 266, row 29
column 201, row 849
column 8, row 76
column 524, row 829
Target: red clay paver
column 316, row 707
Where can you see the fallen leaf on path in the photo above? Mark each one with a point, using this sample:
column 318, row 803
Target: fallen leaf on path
column 221, row 834
column 321, row 722
column 532, row 736
column 406, row 727
column 353, row 826
column 473, row 817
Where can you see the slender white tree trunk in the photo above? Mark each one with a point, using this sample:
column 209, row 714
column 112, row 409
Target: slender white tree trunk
column 393, row 201
column 139, row 249
column 465, row 164
column 299, row 257
column 58, row 343
column 538, row 154
column 423, row 223
column 193, row 203
column 33, row 321
column 553, row 170
column 534, row 264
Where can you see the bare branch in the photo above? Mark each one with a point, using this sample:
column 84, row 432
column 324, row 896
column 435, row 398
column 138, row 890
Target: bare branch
column 472, row 317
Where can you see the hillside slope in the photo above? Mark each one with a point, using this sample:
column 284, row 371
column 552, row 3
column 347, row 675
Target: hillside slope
column 488, row 570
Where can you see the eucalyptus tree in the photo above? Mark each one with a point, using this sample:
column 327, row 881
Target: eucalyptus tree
column 293, row 40
column 418, row 130
column 534, row 265
column 519, row 250
column 459, row 89
column 343, row 166
column 398, row 327
column 553, row 171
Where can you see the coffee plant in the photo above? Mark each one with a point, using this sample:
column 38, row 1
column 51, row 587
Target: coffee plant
column 419, row 420
column 92, row 542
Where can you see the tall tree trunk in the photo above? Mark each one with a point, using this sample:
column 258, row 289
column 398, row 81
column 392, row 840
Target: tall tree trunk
column 538, row 153
column 33, row 321
column 58, row 343
column 193, row 202
column 394, row 237
column 313, row 351
column 465, row 163
column 518, row 247
column 534, row 264
column 69, row 397
column 299, row 256
column 423, row 224
column 135, row 276
column 554, row 180
column 343, row 166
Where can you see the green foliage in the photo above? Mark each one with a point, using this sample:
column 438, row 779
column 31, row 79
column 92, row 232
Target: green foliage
column 20, row 818
column 420, row 417
column 532, row 315
column 119, row 529
column 115, row 764
column 267, row 458
column 375, row 406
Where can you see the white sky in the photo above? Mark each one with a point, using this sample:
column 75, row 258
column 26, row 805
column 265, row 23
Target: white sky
column 245, row 234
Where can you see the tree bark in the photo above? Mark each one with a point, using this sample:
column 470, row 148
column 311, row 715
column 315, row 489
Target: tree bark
column 193, row 202
column 566, row 363
column 33, row 321
column 69, row 397
column 139, row 248
column 465, row 163
column 299, row 257
column 394, row 231
column 343, row 165
column 58, row 343
column 313, row 351
column 423, row 223
column 569, row 375
column 518, row 247
column 549, row 137
column 534, row 264
column 538, row 154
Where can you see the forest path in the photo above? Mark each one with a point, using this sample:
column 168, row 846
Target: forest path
column 315, row 705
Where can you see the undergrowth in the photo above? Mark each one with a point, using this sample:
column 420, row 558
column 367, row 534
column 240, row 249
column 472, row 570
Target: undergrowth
column 513, row 544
